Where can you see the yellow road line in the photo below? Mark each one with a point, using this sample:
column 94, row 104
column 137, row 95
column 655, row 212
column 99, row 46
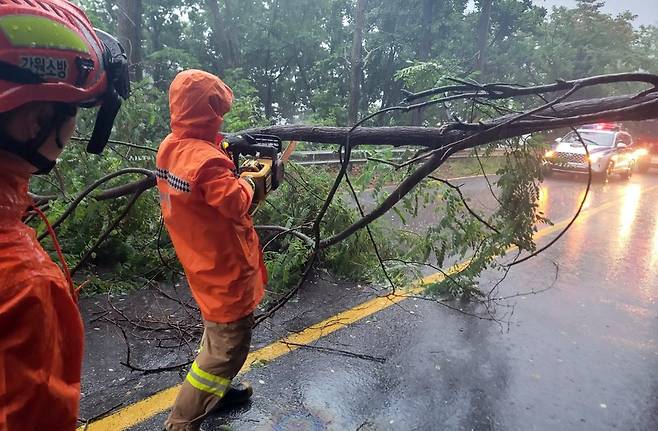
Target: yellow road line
column 147, row 408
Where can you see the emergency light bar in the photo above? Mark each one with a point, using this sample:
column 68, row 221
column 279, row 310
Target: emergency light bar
column 602, row 126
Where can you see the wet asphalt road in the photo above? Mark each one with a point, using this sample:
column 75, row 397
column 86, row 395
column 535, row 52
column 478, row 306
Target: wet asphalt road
column 581, row 356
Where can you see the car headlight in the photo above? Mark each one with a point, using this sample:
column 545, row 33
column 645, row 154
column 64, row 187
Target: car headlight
column 549, row 154
column 593, row 158
column 640, row 152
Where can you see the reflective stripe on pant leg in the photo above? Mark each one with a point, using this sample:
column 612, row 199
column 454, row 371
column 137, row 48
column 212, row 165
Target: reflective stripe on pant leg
column 203, row 340
column 207, row 382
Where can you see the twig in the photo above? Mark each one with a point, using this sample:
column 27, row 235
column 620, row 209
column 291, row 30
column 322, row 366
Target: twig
column 576, row 215
column 370, row 235
column 337, row 351
column 533, row 292
column 132, row 367
column 288, row 296
column 87, row 191
column 87, row 422
column 158, row 246
column 114, row 141
column 486, row 177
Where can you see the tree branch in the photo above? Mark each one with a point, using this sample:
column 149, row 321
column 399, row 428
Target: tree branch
column 286, row 231
column 617, row 108
column 504, row 91
column 86, row 192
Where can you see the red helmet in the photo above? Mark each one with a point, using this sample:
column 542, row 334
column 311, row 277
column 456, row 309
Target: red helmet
column 50, row 52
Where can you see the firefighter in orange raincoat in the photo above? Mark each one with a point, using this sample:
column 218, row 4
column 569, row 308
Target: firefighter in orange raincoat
column 206, row 211
column 52, row 61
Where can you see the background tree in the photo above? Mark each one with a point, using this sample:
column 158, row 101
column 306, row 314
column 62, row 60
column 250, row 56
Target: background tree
column 129, row 16
column 356, row 63
column 484, row 24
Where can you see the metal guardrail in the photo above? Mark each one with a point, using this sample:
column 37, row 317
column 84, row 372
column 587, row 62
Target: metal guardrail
column 361, row 156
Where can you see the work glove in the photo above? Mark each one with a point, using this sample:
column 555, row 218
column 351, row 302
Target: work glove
column 258, row 173
column 251, row 182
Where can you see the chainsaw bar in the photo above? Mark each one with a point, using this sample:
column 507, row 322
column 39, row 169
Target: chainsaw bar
column 288, row 152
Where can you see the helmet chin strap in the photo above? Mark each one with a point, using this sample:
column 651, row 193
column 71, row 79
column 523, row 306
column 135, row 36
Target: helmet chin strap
column 29, row 150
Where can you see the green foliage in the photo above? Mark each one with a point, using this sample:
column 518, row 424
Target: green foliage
column 459, row 236
column 246, row 111
column 165, row 63
column 285, row 266
column 586, row 41
column 428, row 74
column 295, row 205
column 288, row 61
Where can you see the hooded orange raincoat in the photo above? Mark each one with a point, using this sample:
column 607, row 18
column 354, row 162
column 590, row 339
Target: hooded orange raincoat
column 205, row 206
column 41, row 331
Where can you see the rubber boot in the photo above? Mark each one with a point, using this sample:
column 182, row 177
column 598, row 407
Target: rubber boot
column 237, row 394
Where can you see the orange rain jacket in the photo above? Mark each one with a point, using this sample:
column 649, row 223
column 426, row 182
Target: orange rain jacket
column 41, row 331
column 205, row 206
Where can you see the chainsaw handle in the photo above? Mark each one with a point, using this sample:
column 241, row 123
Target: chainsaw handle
column 254, row 143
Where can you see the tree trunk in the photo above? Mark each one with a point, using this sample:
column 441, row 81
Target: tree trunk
column 571, row 113
column 220, row 37
column 484, row 24
column 268, row 101
column 109, row 7
column 424, row 49
column 390, row 87
column 391, row 91
column 357, row 62
column 130, row 34
column 155, row 34
column 306, row 83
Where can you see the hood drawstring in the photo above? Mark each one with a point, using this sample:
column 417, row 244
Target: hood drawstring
column 58, row 249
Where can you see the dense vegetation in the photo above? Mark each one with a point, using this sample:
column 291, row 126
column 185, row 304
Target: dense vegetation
column 297, row 61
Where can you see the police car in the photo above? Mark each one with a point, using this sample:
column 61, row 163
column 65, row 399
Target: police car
column 611, row 152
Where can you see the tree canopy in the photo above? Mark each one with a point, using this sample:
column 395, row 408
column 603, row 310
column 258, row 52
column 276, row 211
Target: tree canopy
column 295, row 56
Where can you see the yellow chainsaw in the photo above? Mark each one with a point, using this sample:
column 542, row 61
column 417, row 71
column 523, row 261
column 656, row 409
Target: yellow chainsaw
column 265, row 165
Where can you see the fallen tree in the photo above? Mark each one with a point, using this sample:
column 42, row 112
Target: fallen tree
column 435, row 145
